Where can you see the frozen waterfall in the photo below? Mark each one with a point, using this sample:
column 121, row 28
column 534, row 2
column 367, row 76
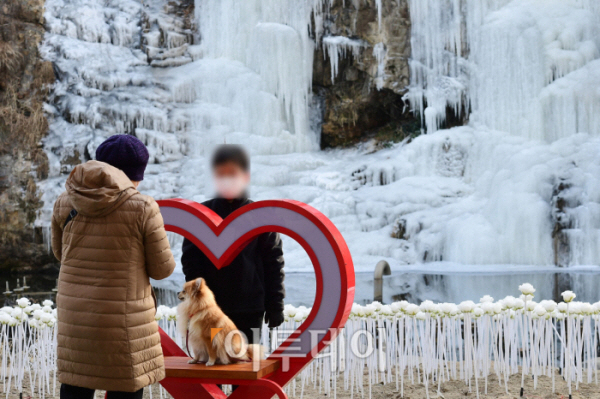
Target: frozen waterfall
column 520, row 184
column 503, row 61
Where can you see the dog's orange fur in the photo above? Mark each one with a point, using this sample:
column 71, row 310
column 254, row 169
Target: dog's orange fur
column 198, row 315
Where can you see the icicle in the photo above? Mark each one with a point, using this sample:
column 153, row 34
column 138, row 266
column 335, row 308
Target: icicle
column 336, row 47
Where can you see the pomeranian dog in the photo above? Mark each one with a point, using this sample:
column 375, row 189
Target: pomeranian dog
column 210, row 333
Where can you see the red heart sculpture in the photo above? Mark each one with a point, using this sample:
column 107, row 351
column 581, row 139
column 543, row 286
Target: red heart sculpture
column 222, row 240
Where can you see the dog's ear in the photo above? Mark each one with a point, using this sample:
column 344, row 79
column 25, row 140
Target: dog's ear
column 197, row 285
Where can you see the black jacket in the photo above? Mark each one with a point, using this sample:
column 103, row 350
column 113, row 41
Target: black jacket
column 253, row 282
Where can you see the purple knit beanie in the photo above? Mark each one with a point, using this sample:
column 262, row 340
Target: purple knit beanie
column 125, row 152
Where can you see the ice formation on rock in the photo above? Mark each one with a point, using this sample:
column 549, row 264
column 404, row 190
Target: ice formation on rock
column 380, row 52
column 495, row 57
column 339, row 47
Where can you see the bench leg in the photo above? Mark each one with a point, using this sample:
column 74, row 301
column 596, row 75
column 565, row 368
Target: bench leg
column 257, row 389
column 187, row 388
column 272, row 386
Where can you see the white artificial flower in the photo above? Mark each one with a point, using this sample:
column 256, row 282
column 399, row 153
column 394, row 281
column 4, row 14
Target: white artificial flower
column 527, row 289
column 172, row 314
column 526, row 298
column 487, row 307
column 497, row 307
column 28, row 310
column 37, row 314
column 5, row 318
column 36, row 306
column 6, row 309
column 531, row 305
column 159, row 315
column 376, row 305
column 370, row 310
column 587, row 308
column 163, row 309
column 509, row 302
column 45, row 318
column 421, row 316
column 47, row 309
column 575, row 308
column 568, row 296
column 386, row 310
column 558, row 314
column 360, row 311
column 428, row 307
column 548, row 305
column 596, row 307
column 289, row 311
column 48, row 302
column 299, row 317
column 33, row 323
column 395, row 306
column 519, row 304
column 466, row 306
column 18, row 314
column 486, row 299
column 353, row 311
column 23, row 302
column 478, row 311
column 447, row 308
column 539, row 311
column 412, row 309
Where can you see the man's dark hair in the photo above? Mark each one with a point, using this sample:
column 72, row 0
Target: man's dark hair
column 231, row 153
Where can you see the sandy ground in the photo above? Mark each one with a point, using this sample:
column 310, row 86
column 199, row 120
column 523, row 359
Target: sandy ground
column 449, row 390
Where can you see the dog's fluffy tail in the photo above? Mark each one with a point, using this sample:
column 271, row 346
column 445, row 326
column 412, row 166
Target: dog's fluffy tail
column 256, row 351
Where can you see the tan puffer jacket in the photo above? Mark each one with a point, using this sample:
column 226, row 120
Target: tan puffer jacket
column 107, row 336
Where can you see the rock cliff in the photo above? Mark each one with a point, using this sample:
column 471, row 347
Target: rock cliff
column 23, row 81
column 364, row 99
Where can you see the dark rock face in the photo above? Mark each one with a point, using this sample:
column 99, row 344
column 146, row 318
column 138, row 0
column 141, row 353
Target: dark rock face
column 565, row 198
column 365, row 99
column 23, row 81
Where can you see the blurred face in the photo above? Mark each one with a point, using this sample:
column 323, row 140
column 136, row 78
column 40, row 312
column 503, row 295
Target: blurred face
column 231, row 181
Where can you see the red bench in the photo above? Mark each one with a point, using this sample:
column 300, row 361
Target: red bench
column 197, row 381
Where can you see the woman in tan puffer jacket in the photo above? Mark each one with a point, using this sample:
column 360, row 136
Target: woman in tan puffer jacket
column 109, row 247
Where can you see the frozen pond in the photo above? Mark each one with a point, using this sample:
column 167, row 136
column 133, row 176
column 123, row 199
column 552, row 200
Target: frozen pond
column 442, row 282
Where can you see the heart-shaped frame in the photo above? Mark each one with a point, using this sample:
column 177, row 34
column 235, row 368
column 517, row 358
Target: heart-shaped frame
column 222, row 240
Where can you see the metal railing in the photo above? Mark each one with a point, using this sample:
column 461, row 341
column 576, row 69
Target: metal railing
column 381, row 269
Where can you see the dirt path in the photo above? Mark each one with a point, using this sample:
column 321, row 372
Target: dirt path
column 449, row 390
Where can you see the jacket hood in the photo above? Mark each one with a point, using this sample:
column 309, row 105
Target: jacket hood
column 97, row 189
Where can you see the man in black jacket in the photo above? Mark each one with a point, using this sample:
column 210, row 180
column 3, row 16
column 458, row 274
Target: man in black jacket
column 251, row 286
